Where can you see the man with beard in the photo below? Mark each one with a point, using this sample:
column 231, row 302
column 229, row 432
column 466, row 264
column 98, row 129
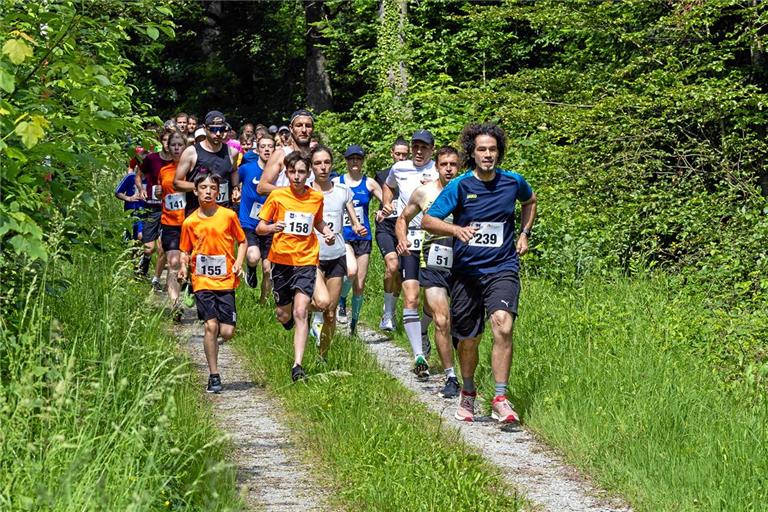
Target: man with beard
column 302, row 125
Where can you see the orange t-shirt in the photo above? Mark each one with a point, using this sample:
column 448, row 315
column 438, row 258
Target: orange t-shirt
column 297, row 245
column 173, row 202
column 210, row 242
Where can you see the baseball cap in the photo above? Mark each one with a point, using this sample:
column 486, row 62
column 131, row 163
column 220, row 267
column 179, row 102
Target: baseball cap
column 283, row 128
column 302, row 112
column 424, row 136
column 200, row 132
column 213, row 115
column 272, row 129
column 354, row 149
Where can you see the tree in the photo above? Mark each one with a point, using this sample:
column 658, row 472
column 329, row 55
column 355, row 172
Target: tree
column 318, row 83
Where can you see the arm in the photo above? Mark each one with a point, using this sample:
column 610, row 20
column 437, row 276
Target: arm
column 139, row 175
column 235, row 179
column 358, row 228
column 375, row 189
column 184, row 257
column 387, row 194
column 271, row 171
column 322, row 227
column 442, row 228
column 186, row 164
column 527, row 216
column 238, row 265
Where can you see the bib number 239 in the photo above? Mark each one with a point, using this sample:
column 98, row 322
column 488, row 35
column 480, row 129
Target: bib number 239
column 488, row 234
column 211, row 266
column 297, row 223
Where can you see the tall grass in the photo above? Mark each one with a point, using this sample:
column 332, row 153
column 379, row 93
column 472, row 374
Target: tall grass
column 98, row 409
column 384, row 448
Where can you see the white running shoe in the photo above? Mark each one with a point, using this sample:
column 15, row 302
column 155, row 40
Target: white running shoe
column 387, row 324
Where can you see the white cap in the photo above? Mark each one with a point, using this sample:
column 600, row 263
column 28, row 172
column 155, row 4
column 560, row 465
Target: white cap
column 200, row 132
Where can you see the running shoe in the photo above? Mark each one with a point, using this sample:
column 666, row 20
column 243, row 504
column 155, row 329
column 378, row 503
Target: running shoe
column 251, row 277
column 387, row 324
column 426, row 346
column 214, row 383
column 314, row 331
column 502, row 411
column 297, row 373
column 466, row 409
column 421, row 368
column 451, row 388
column 341, row 314
column 156, row 285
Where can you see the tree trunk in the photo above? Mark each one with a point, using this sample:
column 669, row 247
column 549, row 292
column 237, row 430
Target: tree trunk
column 393, row 17
column 319, row 92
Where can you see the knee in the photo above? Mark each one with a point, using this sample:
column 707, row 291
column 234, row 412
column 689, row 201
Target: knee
column 174, row 262
column 212, row 326
column 300, row 313
column 253, row 257
column 227, row 331
column 442, row 320
column 329, row 315
column 502, row 323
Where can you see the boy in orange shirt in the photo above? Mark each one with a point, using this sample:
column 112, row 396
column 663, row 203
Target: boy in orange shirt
column 208, row 237
column 291, row 213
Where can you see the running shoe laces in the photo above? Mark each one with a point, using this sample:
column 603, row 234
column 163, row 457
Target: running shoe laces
column 421, row 368
column 451, row 388
column 466, row 409
column 503, row 412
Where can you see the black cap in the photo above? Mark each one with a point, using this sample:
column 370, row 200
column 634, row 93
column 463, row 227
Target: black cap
column 354, row 149
column 301, row 112
column 272, row 129
column 211, row 117
column 424, row 136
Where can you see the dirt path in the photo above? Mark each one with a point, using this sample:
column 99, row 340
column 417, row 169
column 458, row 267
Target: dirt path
column 526, row 463
column 271, row 472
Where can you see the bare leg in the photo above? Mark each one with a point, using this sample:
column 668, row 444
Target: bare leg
column 502, row 325
column 210, row 345
column 301, row 329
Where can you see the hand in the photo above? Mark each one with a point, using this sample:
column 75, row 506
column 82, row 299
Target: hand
column 522, row 244
column 182, row 273
column 380, row 216
column 360, row 230
column 237, row 268
column 330, row 238
column 387, row 210
column 236, row 195
column 402, row 247
column 465, row 234
column 278, row 226
column 142, row 194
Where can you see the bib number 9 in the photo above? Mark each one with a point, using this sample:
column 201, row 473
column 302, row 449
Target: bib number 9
column 415, row 236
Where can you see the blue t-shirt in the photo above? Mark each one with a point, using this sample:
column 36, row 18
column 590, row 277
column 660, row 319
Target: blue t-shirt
column 250, row 201
column 361, row 198
column 127, row 186
column 471, row 201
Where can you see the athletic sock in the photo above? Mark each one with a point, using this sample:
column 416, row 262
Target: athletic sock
column 389, row 304
column 146, row 259
column 468, row 384
column 501, row 389
column 449, row 372
column 289, row 324
column 426, row 319
column 413, row 330
column 357, row 304
column 345, row 289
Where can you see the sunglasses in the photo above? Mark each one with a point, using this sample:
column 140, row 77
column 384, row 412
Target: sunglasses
column 217, row 129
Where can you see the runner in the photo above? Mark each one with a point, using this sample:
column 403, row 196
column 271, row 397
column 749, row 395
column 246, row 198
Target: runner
column 486, row 259
column 301, row 127
column 210, row 155
column 284, row 134
column 250, row 205
column 289, row 214
column 149, row 172
column 191, row 125
column 387, row 242
column 405, row 177
column 128, row 192
column 358, row 247
column 182, row 120
column 172, row 219
column 337, row 204
column 208, row 237
column 436, row 262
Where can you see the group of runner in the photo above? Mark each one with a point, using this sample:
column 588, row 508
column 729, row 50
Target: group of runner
column 275, row 203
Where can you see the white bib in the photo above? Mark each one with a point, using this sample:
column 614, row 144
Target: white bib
column 157, row 192
column 255, row 209
column 394, row 210
column 415, row 236
column 487, row 234
column 358, row 214
column 332, row 221
column 211, row 266
column 177, row 201
column 298, row 223
column 223, row 196
column 440, row 257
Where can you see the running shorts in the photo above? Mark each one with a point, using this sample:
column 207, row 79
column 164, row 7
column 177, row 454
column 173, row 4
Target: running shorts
column 431, row 278
column 263, row 242
column 170, row 236
column 474, row 299
column 216, row 304
column 409, row 266
column 334, row 268
column 385, row 236
column 151, row 229
column 360, row 247
column 288, row 279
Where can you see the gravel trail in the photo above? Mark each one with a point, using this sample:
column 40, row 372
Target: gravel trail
column 526, row 463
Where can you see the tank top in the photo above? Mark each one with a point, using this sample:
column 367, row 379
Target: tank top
column 282, row 178
column 217, row 163
column 361, row 198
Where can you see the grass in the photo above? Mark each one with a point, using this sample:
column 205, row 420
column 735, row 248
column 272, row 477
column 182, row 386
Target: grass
column 385, row 450
column 621, row 376
column 99, row 410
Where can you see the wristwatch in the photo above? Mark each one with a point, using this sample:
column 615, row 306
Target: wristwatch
column 526, row 232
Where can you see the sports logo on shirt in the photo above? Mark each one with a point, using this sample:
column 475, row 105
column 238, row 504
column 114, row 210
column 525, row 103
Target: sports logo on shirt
column 471, row 196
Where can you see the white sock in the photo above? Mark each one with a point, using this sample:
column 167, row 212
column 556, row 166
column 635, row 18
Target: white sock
column 412, row 327
column 389, row 304
column 449, row 372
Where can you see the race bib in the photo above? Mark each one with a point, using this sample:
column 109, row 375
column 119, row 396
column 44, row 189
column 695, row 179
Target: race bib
column 211, row 266
column 157, row 192
column 358, row 213
column 298, row 223
column 255, row 209
column 223, row 196
column 177, row 201
column 488, row 234
column 394, row 210
column 332, row 221
column 415, row 236
column 440, row 257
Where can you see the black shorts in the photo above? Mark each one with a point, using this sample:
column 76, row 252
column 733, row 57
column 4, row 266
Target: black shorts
column 288, row 279
column 385, row 236
column 409, row 267
column 432, row 278
column 334, row 268
column 170, row 236
column 359, row 247
column 474, row 299
column 151, row 229
column 216, row 304
column 263, row 242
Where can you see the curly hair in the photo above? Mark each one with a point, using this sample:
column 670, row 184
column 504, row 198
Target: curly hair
column 470, row 133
